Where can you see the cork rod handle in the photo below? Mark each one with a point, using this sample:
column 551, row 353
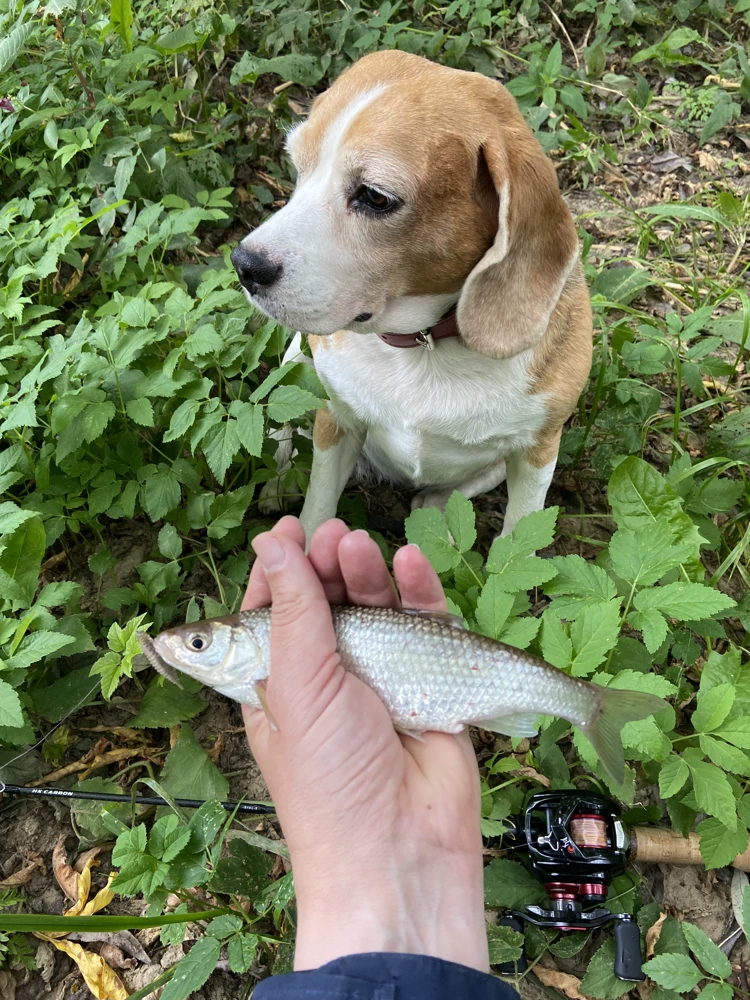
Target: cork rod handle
column 656, row 844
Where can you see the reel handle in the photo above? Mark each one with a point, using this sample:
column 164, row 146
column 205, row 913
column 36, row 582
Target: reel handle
column 628, row 952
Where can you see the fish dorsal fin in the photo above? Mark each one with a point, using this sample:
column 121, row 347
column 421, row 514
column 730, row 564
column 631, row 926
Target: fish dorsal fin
column 512, row 725
column 443, row 617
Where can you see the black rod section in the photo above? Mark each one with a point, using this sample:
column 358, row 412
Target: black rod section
column 263, row 808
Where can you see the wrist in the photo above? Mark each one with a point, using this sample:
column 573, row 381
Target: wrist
column 426, row 905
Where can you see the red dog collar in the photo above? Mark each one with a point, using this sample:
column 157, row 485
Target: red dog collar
column 444, row 328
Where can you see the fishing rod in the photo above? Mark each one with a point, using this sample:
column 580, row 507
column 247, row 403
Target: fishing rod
column 259, row 808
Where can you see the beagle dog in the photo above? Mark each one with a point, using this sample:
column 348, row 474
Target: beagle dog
column 428, row 254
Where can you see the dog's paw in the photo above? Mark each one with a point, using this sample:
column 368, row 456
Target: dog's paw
column 278, row 495
column 431, row 498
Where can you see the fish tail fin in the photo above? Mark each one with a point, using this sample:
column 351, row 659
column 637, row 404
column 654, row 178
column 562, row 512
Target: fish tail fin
column 616, row 708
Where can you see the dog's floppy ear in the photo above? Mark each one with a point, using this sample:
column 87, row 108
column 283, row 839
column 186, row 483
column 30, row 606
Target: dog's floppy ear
column 507, row 300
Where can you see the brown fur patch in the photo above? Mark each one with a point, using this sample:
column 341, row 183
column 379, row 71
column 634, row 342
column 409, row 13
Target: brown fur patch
column 326, row 432
column 327, row 342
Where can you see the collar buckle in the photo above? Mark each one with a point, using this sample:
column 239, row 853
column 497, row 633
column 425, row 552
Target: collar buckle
column 425, row 339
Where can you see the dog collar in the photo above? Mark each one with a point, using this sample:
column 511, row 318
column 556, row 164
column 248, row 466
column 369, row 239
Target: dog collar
column 444, row 328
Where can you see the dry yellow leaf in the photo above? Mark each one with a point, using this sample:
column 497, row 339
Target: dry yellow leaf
column 66, row 877
column 562, row 981
column 22, row 876
column 102, row 980
column 653, row 934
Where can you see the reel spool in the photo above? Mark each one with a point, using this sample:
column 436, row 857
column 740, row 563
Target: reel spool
column 576, row 846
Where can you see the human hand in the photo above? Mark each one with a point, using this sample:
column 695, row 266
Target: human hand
column 383, row 830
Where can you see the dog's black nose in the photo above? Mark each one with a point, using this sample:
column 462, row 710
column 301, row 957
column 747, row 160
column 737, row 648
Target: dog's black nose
column 254, row 268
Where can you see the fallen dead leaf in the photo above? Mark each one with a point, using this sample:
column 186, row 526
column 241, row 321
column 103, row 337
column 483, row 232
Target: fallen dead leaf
column 653, row 934
column 83, row 859
column 562, row 981
column 216, row 749
column 530, row 772
column 115, row 958
column 102, row 980
column 7, row 985
column 124, row 940
column 65, row 874
column 22, row 876
column 707, row 161
column 45, row 961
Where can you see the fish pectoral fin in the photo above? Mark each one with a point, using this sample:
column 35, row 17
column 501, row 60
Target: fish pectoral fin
column 444, row 617
column 523, row 724
column 260, row 690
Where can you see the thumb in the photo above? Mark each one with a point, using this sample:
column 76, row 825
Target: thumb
column 303, row 641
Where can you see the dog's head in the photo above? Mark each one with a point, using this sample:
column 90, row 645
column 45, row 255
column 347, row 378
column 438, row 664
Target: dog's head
column 418, row 187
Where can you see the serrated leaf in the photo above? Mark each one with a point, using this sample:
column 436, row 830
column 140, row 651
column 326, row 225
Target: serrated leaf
column 192, row 971
column 719, row 846
column 580, row 578
column 652, row 625
column 223, row 926
column 520, row 632
column 249, row 425
column 509, row 884
column 245, row 872
column 228, row 510
column 556, row 645
column 459, row 516
column 160, row 493
column 220, row 444
column 169, row 542
column 594, row 633
column 183, row 419
column 427, row 528
column 711, row 957
column 493, row 607
column 685, row 601
column 10, row 707
column 11, row 516
column 167, row 838
column 288, row 402
column 22, row 556
column 674, row 972
column 164, row 705
column 672, row 776
column 712, row 791
column 600, row 980
column 713, row 708
column 190, row 773
column 505, row 944
column 141, row 411
column 241, row 951
column 642, row 556
column 736, row 731
column 11, row 45
column 714, row 991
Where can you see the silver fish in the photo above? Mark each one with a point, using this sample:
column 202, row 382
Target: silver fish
column 431, row 673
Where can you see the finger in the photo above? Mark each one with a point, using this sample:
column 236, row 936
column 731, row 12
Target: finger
column 324, row 556
column 258, row 593
column 368, row 581
column 303, row 642
column 418, row 583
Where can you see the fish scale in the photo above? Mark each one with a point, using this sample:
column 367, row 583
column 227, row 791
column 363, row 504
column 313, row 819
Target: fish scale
column 429, row 671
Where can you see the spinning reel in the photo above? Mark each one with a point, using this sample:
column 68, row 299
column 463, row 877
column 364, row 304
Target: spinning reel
column 576, row 846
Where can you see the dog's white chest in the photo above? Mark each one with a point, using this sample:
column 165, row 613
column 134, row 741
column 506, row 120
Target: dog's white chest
column 432, row 417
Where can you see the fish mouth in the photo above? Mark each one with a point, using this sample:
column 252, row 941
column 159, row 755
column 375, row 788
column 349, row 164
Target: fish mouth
column 159, row 665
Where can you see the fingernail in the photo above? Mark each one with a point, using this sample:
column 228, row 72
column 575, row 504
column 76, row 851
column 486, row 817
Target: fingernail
column 414, row 546
column 270, row 552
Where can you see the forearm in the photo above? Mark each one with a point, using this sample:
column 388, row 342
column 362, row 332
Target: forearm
column 428, row 906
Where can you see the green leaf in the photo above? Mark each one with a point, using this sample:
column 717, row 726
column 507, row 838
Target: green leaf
column 721, row 115
column 505, row 944
column 644, row 555
column 10, row 707
column 11, row 516
column 107, row 667
column 192, row 971
column 169, row 542
column 224, row 926
column 249, row 425
column 713, row 991
column 245, row 872
column 164, row 704
column 160, row 493
column 736, row 731
column 652, row 625
column 220, row 445
column 600, row 980
column 11, row 45
column 711, row 789
column 72, row 691
column 719, row 846
column 35, row 646
column 510, row 885
column 289, row 402
column 241, row 951
column 22, row 556
column 493, row 607
column 672, row 776
column 594, row 633
column 427, row 528
column 167, row 838
column 711, row 957
column 121, row 19
column 713, row 707
column 204, row 824
column 183, row 419
column 190, row 773
column 675, row 972
column 228, row 510
column 556, row 645
column 685, row 601
column 141, row 411
column 520, row 632
column 580, row 578
column 459, row 515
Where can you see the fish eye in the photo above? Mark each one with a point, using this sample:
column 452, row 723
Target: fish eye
column 198, row 641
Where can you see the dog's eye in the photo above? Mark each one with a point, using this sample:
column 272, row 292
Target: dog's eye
column 372, row 200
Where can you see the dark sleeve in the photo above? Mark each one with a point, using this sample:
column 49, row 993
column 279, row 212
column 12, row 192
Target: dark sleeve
column 385, row 976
